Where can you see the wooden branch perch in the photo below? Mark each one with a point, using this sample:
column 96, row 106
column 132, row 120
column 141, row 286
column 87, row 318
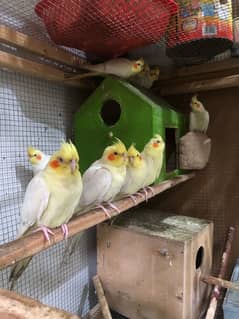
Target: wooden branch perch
column 13, row 305
column 101, row 297
column 221, row 283
column 35, row 243
column 224, row 264
column 42, row 48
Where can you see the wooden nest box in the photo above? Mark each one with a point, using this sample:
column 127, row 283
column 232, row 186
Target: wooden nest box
column 150, row 264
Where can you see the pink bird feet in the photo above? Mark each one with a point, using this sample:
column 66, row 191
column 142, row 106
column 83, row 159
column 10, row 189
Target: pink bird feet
column 65, row 230
column 106, row 211
column 145, row 190
column 46, row 231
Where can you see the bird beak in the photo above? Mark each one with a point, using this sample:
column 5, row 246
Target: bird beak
column 73, row 166
column 125, row 156
column 130, row 159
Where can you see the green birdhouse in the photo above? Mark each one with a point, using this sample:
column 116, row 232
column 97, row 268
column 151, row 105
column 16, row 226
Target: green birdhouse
column 116, row 108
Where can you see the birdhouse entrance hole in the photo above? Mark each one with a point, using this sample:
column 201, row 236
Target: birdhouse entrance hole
column 171, row 149
column 110, row 112
column 199, row 257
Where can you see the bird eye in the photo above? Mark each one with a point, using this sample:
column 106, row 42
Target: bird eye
column 115, row 153
column 35, row 155
column 60, row 159
column 158, row 141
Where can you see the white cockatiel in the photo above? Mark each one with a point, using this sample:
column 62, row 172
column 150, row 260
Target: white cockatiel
column 103, row 180
column 120, row 67
column 199, row 117
column 153, row 155
column 50, row 199
column 38, row 159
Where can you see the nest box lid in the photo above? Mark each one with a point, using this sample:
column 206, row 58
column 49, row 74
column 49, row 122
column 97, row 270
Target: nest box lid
column 156, row 223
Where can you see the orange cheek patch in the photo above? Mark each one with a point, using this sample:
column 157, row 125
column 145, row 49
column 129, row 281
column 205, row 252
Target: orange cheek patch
column 155, row 145
column 111, row 157
column 39, row 157
column 54, row 164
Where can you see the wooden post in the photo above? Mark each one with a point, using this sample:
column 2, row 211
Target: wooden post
column 13, row 305
column 101, row 297
column 224, row 263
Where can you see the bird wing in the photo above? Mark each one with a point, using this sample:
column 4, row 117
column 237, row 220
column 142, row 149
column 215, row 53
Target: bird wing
column 192, row 122
column 96, row 183
column 34, row 204
column 207, row 118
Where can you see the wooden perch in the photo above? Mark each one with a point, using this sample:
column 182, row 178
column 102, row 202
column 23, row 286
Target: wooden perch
column 12, row 62
column 35, row 242
column 224, row 264
column 42, row 48
column 221, row 283
column 15, row 306
column 101, row 297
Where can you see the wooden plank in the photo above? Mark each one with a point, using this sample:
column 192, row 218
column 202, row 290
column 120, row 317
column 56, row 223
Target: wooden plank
column 46, row 72
column 35, row 242
column 205, row 68
column 13, row 306
column 23, row 41
column 199, row 86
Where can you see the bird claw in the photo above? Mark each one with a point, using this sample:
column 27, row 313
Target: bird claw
column 114, row 207
column 133, row 199
column 105, row 210
column 46, row 231
column 65, row 230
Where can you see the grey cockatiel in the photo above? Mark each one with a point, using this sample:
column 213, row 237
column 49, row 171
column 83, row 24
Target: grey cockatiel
column 120, row 67
column 199, row 117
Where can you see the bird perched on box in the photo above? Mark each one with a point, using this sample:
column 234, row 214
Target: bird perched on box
column 50, row 199
column 199, row 116
column 135, row 174
column 146, row 77
column 153, row 156
column 120, row 67
column 38, row 159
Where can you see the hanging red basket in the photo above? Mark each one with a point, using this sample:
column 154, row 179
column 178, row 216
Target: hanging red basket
column 107, row 28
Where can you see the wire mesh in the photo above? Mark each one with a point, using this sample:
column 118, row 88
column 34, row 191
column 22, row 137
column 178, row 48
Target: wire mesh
column 34, row 112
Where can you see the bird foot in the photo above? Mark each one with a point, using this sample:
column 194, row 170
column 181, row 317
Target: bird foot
column 107, row 213
column 133, row 198
column 151, row 189
column 114, row 207
column 46, row 231
column 65, row 230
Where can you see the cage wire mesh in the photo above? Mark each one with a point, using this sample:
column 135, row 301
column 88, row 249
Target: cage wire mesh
column 34, row 112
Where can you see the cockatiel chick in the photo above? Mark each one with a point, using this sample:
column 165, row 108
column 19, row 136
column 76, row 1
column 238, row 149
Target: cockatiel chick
column 153, row 155
column 120, row 67
column 199, row 117
column 146, row 77
column 50, row 199
column 38, row 159
column 135, row 174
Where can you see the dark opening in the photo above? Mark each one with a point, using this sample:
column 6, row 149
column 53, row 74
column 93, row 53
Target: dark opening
column 110, row 112
column 171, row 149
column 199, row 257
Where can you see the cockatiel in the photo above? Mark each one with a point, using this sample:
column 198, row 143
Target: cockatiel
column 38, row 159
column 135, row 174
column 50, row 199
column 103, row 180
column 199, row 117
column 146, row 77
column 120, row 67
column 153, row 155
